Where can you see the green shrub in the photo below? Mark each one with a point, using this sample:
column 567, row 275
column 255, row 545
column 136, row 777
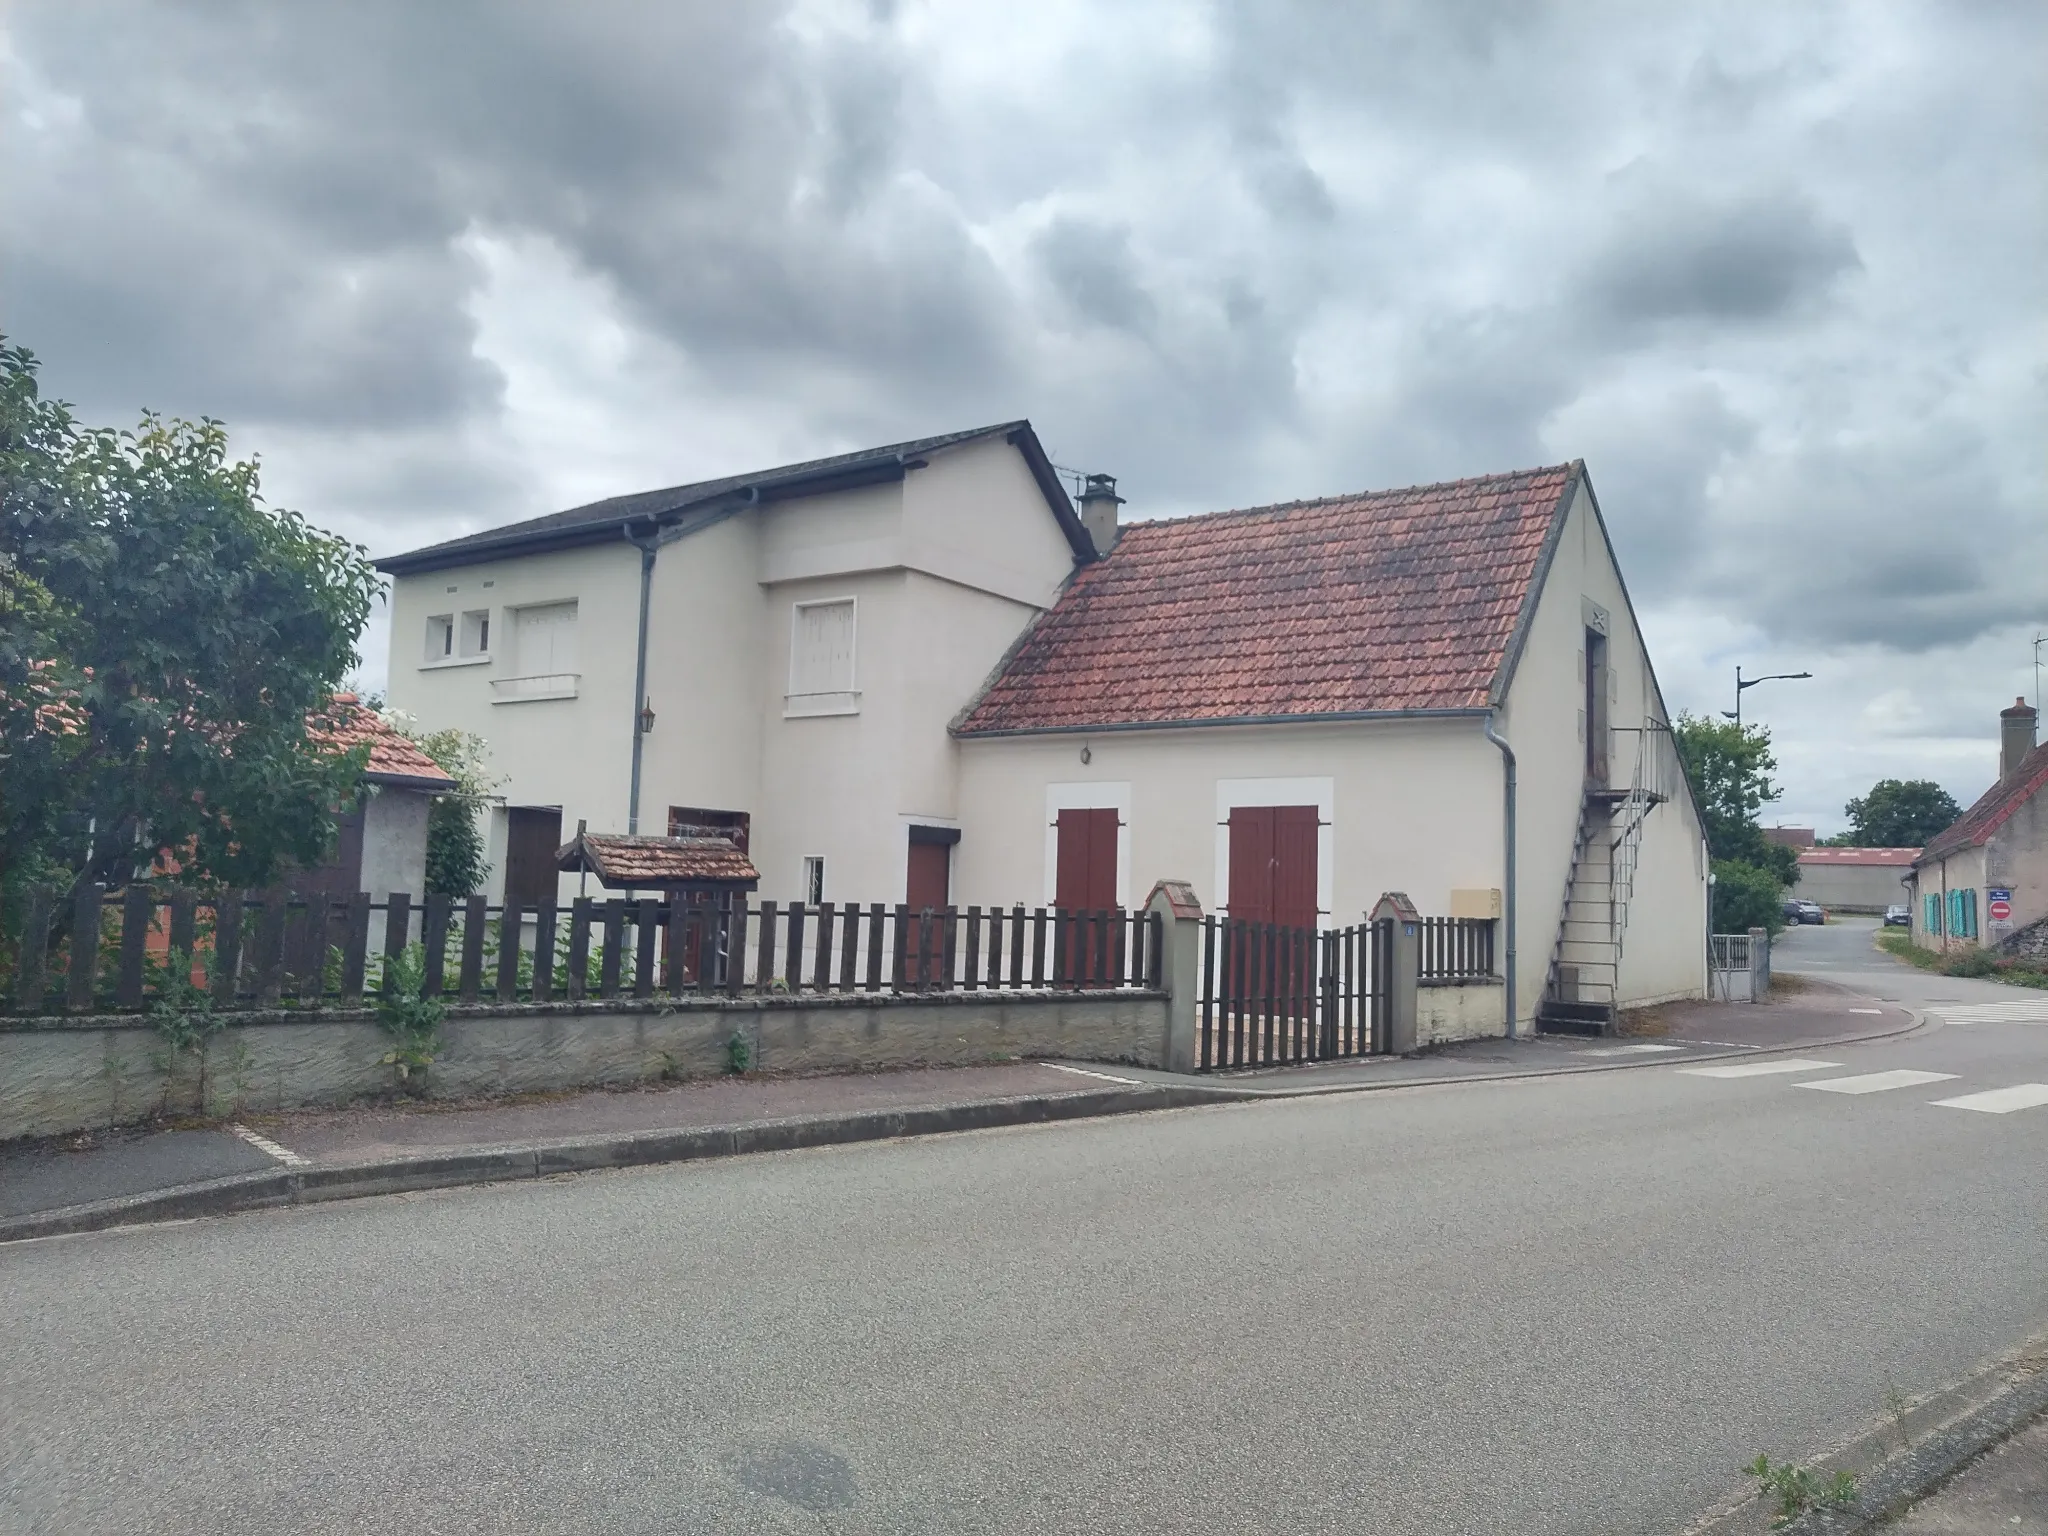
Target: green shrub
column 1746, row 896
column 412, row 1019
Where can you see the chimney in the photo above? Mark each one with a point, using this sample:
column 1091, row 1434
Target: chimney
column 1098, row 512
column 2015, row 735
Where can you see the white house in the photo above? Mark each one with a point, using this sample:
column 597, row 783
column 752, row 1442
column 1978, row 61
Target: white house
column 918, row 674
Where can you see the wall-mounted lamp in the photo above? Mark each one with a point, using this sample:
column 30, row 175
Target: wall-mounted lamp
column 647, row 717
column 1087, row 756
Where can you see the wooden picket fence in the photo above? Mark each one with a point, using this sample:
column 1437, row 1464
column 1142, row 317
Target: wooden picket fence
column 270, row 950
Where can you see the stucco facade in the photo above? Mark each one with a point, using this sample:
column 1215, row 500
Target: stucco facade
column 1997, row 849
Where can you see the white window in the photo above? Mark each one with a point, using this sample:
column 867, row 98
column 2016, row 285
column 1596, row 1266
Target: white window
column 543, row 655
column 814, row 879
column 440, row 637
column 545, row 640
column 821, row 640
column 476, row 632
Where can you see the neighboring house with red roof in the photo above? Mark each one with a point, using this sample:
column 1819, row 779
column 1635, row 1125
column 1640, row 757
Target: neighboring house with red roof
column 1986, row 878
column 1854, row 879
column 921, row 674
column 382, row 845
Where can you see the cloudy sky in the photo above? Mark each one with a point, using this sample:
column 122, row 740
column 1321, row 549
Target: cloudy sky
column 1776, row 272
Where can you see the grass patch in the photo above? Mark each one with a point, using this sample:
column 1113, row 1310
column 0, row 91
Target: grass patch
column 1968, row 962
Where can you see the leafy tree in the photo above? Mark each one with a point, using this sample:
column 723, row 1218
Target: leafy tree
column 166, row 637
column 1900, row 813
column 1729, row 767
column 1746, row 897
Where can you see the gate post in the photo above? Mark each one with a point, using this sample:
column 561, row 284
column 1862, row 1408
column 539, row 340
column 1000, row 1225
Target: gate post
column 1405, row 952
column 1180, row 969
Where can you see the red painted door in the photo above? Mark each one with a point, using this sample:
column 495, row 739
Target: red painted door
column 928, row 886
column 1084, row 882
column 1273, row 864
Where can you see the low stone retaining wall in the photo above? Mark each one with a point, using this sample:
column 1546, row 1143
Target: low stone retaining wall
column 1458, row 1010
column 59, row 1076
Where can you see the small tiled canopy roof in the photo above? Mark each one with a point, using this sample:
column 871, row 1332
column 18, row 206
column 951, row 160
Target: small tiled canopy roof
column 1993, row 808
column 1387, row 601
column 394, row 761
column 629, row 863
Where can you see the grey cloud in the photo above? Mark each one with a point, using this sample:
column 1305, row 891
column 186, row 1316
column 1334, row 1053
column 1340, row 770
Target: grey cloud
column 1091, row 267
column 1748, row 258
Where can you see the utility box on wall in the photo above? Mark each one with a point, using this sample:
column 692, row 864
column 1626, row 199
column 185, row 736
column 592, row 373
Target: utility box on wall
column 1476, row 903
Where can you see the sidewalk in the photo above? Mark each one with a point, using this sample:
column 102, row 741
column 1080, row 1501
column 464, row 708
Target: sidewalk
column 118, row 1177
column 2006, row 1491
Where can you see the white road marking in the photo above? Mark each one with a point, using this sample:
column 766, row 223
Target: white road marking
column 1131, row 1082
column 2033, row 1010
column 265, row 1145
column 1878, row 1082
column 1725, row 1045
column 1760, row 1068
column 1630, row 1050
column 2001, row 1101
column 1866, row 1010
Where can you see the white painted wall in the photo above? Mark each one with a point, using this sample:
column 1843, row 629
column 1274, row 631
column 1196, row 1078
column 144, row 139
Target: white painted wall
column 947, row 568
column 1411, row 805
column 1664, row 950
column 394, row 842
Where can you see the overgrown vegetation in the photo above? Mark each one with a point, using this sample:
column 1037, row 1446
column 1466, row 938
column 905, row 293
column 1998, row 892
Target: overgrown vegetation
column 1963, row 962
column 1729, row 768
column 410, row 1017
column 1799, row 1489
column 738, row 1054
column 164, row 638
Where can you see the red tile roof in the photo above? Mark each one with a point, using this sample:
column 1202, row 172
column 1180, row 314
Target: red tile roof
column 394, row 760
column 624, row 863
column 1859, row 856
column 1993, row 808
column 1383, row 601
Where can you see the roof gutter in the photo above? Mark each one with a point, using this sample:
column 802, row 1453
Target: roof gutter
column 1507, row 763
column 1332, row 717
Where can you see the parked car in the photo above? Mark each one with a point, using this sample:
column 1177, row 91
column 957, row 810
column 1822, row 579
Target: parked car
column 1897, row 917
column 1798, row 911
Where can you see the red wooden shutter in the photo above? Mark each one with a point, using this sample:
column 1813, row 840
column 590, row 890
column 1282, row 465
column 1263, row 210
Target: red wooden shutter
column 1294, row 865
column 1084, row 870
column 1251, row 864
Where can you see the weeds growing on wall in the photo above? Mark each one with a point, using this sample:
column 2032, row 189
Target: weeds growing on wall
column 412, row 1019
column 1799, row 1489
column 182, row 1016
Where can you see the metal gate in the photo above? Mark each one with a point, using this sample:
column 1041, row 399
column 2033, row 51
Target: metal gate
column 1273, row 995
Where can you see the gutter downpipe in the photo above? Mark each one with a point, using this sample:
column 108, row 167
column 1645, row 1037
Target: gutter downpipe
column 1507, row 757
column 647, row 547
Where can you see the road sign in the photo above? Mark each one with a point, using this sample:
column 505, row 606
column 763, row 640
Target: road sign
column 2000, row 910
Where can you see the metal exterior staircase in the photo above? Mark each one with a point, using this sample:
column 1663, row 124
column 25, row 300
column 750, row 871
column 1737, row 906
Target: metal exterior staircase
column 1584, row 983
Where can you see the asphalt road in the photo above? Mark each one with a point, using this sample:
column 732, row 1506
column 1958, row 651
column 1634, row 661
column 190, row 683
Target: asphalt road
column 1564, row 1305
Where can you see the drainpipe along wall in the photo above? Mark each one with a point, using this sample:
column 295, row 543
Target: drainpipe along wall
column 1507, row 760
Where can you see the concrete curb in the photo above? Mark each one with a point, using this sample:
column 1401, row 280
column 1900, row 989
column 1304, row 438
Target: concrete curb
column 538, row 1160
column 1914, row 1474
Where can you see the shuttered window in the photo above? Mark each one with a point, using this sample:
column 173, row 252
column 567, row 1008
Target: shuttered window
column 821, row 646
column 545, row 637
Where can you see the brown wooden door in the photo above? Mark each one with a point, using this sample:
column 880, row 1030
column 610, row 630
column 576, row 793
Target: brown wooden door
column 928, row 885
column 1084, row 882
column 1273, row 864
column 1273, row 882
column 532, row 836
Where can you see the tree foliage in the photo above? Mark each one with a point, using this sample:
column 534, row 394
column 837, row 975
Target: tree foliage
column 1900, row 813
column 166, row 637
column 1729, row 767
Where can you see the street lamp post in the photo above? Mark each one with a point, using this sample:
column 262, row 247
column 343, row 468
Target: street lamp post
column 1742, row 682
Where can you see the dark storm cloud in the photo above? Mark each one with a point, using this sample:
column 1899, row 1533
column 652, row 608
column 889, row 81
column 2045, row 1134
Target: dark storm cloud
column 1751, row 257
column 1758, row 266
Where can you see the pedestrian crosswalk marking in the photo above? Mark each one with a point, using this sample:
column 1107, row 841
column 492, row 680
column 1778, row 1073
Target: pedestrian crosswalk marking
column 1761, row 1068
column 2032, row 1010
column 1877, row 1082
column 1630, row 1050
column 2001, row 1101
